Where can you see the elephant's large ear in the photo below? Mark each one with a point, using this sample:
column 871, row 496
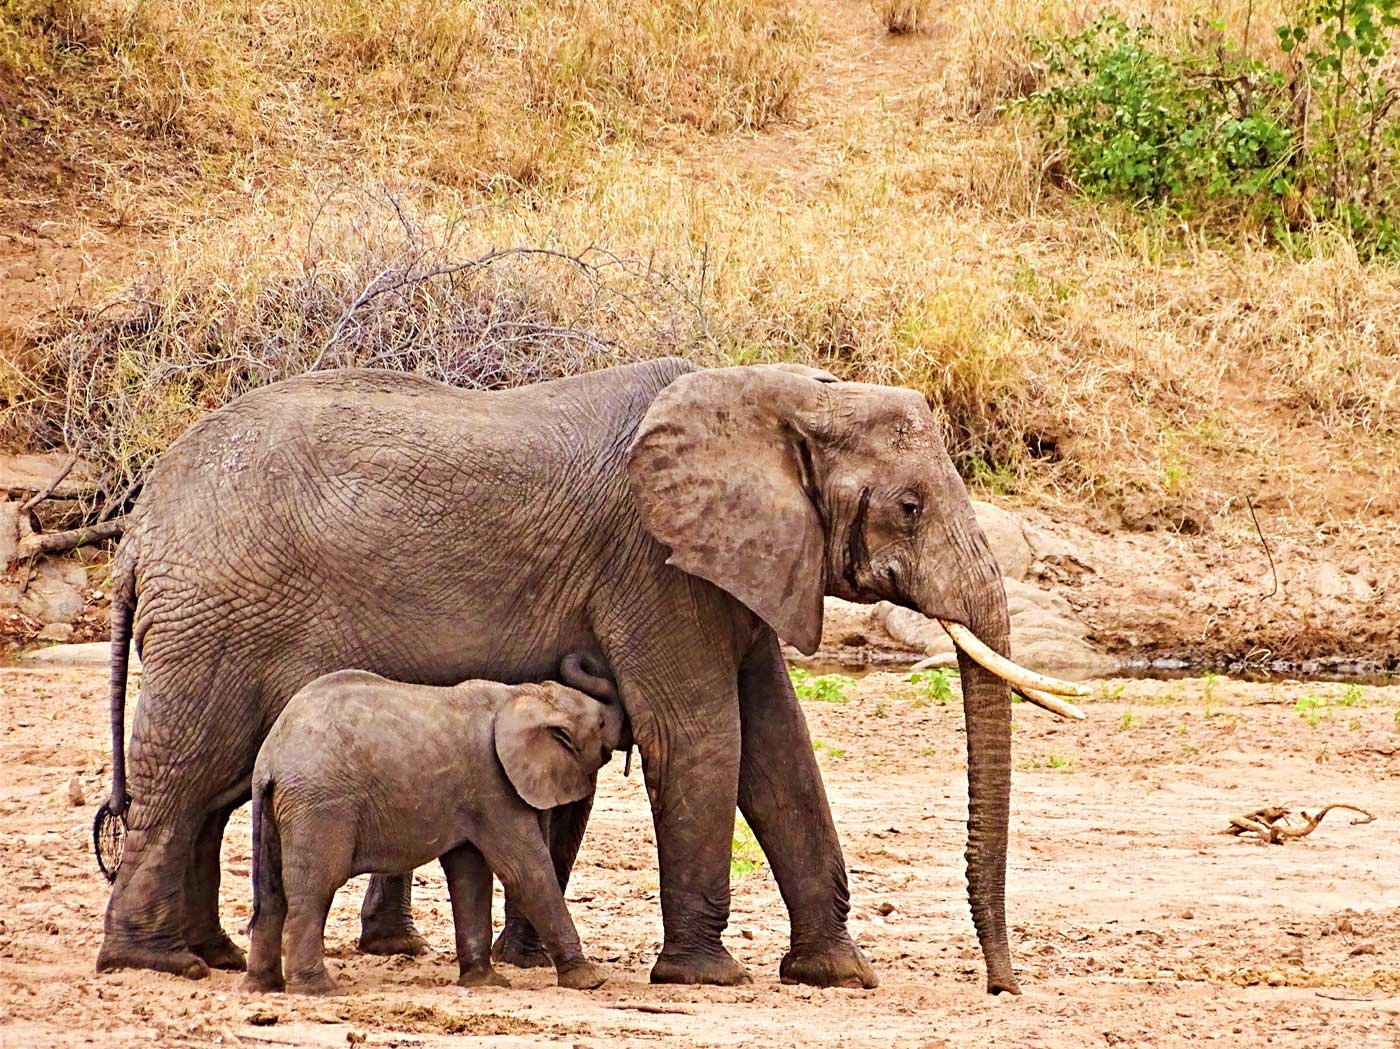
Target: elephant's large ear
column 536, row 742
column 721, row 471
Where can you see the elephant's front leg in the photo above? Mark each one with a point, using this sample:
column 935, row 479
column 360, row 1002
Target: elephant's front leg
column 685, row 718
column 563, row 827
column 781, row 795
column 386, row 917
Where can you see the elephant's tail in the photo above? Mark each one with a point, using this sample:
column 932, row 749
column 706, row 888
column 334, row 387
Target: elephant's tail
column 267, row 849
column 109, row 827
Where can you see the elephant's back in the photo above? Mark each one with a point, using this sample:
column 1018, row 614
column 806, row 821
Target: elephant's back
column 382, row 425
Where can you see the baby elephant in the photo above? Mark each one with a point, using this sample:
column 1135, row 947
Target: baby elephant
column 363, row 775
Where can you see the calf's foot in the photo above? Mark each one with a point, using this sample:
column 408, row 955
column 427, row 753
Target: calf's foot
column 263, row 982
column 582, row 976
column 484, row 977
column 314, row 983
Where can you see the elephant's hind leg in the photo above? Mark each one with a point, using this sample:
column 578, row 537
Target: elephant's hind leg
column 185, row 759
column 203, row 932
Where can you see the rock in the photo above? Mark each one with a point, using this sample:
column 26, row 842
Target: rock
column 30, row 473
column 93, row 654
column 56, row 632
column 75, row 793
column 55, row 593
column 1045, row 634
column 1006, row 538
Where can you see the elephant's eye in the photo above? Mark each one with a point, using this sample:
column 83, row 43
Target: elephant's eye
column 909, row 507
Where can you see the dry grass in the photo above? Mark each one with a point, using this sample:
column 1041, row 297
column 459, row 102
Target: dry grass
column 1080, row 353
column 906, row 16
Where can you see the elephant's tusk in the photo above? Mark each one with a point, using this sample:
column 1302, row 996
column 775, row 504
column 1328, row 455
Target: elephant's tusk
column 1054, row 704
column 1012, row 673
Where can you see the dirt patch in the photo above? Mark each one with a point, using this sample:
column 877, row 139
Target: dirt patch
column 1135, row 921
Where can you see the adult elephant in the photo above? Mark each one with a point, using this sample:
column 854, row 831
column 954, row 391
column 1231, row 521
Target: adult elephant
column 673, row 521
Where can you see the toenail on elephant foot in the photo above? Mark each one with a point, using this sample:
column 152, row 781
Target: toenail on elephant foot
column 395, row 941
column 178, row 960
column 221, row 953
column 842, row 966
column 524, row 951
column 719, row 969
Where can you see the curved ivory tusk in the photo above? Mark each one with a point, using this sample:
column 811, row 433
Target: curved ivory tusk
column 1054, row 704
column 1012, row 673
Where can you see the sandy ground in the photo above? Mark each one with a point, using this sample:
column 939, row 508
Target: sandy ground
column 1135, row 921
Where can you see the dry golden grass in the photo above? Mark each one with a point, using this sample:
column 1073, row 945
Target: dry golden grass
column 905, row 16
column 884, row 225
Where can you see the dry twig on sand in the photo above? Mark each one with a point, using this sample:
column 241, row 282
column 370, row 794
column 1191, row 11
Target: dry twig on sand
column 1272, row 826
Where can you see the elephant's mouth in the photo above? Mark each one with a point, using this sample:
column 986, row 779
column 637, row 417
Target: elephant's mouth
column 1040, row 689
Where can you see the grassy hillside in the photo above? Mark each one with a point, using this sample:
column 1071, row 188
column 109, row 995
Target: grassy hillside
column 251, row 188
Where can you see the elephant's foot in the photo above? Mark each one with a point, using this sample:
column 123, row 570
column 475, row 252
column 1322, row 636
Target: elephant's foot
column 319, row 983
column 841, row 965
column 520, row 946
column 396, row 939
column 712, row 967
column 219, row 952
column 483, row 977
column 119, row 954
column 263, row 983
column 582, row 976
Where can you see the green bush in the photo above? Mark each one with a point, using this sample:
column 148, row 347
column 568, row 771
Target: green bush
column 1196, row 122
column 1134, row 121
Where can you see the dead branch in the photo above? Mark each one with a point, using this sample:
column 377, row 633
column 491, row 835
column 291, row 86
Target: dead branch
column 1272, row 824
column 44, row 493
column 37, row 543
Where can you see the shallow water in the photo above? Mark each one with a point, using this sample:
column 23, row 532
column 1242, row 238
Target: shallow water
column 1346, row 671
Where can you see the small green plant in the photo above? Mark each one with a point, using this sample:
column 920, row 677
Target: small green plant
column 929, row 752
column 934, row 686
column 1354, row 725
column 1057, row 761
column 1190, row 748
column 882, row 709
column 745, row 855
column 1208, row 696
column 1312, row 709
column 1108, row 693
column 1127, row 720
column 820, row 747
column 1351, row 696
column 1051, row 761
column 821, row 688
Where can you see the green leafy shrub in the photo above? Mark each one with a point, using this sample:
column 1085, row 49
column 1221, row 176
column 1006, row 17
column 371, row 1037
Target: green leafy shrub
column 934, row 686
column 1196, row 122
column 821, row 688
column 1133, row 120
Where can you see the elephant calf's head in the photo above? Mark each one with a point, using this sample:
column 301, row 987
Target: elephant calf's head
column 552, row 740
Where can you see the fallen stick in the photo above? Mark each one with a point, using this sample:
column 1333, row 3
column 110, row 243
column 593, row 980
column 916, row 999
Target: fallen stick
column 37, row 543
column 1271, row 824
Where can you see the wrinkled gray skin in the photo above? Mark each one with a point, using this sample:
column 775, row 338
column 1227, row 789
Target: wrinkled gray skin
column 361, row 775
column 674, row 522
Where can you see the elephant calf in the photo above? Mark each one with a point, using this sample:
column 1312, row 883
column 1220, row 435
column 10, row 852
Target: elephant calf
column 365, row 775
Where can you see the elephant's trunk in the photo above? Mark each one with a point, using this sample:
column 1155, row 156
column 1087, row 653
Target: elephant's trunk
column 987, row 713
